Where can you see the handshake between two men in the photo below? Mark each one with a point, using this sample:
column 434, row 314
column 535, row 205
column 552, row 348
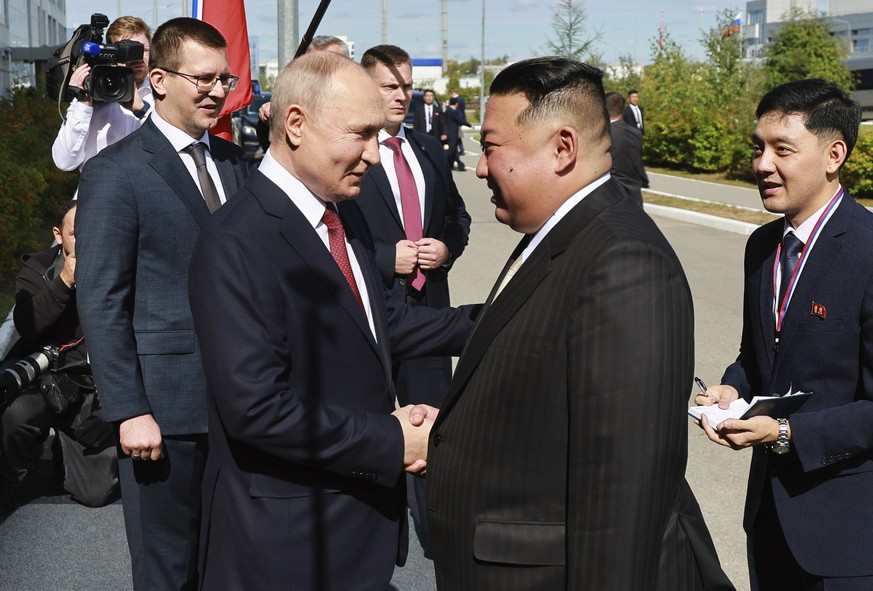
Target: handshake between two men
column 416, row 422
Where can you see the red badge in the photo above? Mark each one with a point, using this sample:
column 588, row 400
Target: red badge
column 818, row 310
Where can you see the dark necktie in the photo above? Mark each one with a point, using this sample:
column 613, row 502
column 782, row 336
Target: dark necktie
column 408, row 202
column 337, row 240
column 207, row 187
column 791, row 249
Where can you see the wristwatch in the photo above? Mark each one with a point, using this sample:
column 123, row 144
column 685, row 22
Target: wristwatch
column 781, row 445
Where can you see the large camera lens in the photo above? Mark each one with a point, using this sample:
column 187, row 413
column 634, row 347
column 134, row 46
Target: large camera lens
column 112, row 83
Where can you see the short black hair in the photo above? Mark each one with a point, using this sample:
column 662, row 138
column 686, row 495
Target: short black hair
column 553, row 84
column 387, row 55
column 614, row 104
column 827, row 109
column 63, row 211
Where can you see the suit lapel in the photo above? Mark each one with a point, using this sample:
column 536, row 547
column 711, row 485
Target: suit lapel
column 301, row 237
column 225, row 168
column 821, row 257
column 166, row 162
column 380, row 179
column 531, row 274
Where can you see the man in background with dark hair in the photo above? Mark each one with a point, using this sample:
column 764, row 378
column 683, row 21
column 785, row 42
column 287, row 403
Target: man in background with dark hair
column 420, row 227
column 142, row 204
column 45, row 315
column 558, row 458
column 429, row 116
column 91, row 126
column 807, row 327
column 626, row 151
column 633, row 112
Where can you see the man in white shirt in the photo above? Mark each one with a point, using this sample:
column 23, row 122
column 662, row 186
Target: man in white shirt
column 89, row 125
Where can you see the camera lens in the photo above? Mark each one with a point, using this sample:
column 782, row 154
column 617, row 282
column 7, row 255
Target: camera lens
column 110, row 86
column 112, row 83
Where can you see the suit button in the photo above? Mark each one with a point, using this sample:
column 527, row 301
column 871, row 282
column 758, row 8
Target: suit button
column 402, row 281
column 437, row 439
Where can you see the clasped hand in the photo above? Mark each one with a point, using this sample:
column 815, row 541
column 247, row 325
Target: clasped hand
column 427, row 253
column 416, row 422
column 734, row 433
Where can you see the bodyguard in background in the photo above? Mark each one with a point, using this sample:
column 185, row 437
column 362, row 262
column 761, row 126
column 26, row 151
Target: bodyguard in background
column 558, row 459
column 633, row 112
column 142, row 203
column 626, row 151
column 420, row 227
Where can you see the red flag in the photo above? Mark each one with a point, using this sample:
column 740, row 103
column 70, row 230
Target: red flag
column 229, row 17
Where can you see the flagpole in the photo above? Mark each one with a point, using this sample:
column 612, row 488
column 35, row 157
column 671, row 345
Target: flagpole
column 313, row 26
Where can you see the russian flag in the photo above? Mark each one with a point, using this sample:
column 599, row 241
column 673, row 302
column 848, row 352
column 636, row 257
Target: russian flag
column 229, row 17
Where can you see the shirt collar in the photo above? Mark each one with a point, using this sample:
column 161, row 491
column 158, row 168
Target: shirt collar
column 305, row 200
column 178, row 138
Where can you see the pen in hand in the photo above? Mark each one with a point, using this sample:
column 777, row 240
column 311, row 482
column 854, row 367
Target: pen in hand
column 701, row 384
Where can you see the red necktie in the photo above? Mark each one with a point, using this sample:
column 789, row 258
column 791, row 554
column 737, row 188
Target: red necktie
column 408, row 202
column 337, row 240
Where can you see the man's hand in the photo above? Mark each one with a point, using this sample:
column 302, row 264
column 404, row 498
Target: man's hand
column 140, row 438
column 68, row 273
column 432, row 254
column 739, row 434
column 406, row 257
column 264, row 112
column 416, row 422
column 722, row 394
column 77, row 80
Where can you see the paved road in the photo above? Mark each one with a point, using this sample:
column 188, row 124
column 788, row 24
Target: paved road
column 677, row 186
column 51, row 543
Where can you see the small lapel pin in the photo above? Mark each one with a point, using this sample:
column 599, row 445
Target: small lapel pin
column 818, row 310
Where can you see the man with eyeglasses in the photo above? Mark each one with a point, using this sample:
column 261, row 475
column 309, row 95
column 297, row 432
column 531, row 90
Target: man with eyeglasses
column 142, row 203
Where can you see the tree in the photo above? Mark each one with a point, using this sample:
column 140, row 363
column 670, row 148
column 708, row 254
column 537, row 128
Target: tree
column 700, row 114
column 570, row 41
column 804, row 48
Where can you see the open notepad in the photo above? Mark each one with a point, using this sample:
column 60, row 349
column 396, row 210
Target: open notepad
column 778, row 407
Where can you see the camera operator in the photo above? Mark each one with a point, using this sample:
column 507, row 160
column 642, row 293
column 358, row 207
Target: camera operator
column 90, row 125
column 45, row 315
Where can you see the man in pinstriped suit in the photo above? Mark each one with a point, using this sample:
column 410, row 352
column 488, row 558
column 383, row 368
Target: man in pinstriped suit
column 558, row 458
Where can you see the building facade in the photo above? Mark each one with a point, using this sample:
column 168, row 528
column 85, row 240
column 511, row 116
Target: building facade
column 29, row 31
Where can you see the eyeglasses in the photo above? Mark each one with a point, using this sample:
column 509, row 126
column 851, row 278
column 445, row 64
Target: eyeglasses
column 207, row 83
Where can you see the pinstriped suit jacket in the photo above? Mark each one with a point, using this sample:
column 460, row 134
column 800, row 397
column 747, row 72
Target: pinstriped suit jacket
column 558, row 459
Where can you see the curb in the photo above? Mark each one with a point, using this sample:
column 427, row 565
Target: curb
column 703, row 219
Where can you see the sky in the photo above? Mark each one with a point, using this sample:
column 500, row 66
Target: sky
column 517, row 28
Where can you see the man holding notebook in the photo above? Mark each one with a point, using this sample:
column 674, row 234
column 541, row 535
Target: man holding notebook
column 808, row 326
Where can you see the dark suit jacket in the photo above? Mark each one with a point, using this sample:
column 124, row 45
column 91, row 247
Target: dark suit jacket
column 630, row 118
column 303, row 486
column 138, row 217
column 558, row 459
column 627, row 160
column 420, row 120
column 447, row 220
column 823, row 486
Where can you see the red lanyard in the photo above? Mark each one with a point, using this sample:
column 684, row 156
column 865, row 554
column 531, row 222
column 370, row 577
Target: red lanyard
column 801, row 261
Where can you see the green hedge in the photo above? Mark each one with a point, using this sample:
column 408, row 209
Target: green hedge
column 31, row 187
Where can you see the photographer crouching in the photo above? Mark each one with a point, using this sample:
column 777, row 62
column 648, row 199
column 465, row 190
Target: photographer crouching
column 53, row 389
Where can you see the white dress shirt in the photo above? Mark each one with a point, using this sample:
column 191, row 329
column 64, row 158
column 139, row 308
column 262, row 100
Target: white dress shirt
column 312, row 209
column 181, row 140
